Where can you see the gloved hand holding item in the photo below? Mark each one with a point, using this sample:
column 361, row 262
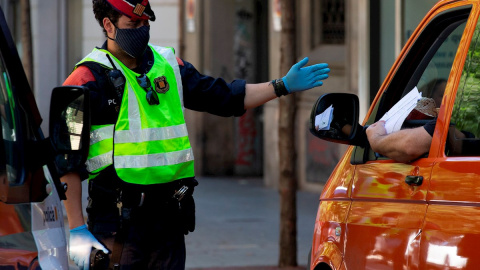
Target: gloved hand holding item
column 81, row 243
column 301, row 78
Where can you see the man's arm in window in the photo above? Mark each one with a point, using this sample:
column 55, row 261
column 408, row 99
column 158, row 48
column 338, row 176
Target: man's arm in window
column 404, row 145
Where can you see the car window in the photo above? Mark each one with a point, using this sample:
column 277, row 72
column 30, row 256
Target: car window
column 464, row 130
column 9, row 141
column 434, row 78
column 426, row 67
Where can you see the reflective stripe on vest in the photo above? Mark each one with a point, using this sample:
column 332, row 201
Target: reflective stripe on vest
column 101, row 150
column 150, row 141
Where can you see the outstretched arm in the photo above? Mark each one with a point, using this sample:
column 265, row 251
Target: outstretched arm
column 299, row 78
column 404, row 145
column 258, row 94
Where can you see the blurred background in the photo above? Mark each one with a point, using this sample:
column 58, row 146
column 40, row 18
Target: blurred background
column 359, row 39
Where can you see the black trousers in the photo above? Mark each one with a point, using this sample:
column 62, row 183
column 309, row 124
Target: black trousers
column 154, row 239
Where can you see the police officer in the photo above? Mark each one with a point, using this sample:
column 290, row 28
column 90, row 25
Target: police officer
column 140, row 162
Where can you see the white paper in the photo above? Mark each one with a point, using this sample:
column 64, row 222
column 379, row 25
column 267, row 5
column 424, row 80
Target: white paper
column 395, row 117
column 323, row 120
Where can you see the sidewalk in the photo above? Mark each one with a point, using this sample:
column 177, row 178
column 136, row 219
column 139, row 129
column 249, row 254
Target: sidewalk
column 252, row 268
column 238, row 225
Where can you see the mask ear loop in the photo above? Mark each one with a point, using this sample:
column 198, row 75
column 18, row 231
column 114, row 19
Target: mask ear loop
column 116, row 32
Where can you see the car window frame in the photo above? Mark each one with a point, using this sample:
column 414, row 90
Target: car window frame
column 27, row 116
column 472, row 137
column 410, row 65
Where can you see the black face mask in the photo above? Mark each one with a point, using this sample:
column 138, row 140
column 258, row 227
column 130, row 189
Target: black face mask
column 133, row 41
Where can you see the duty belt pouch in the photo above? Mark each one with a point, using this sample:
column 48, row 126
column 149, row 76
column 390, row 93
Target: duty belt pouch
column 187, row 213
column 187, row 205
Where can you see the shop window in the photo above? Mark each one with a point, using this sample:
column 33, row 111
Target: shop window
column 328, row 21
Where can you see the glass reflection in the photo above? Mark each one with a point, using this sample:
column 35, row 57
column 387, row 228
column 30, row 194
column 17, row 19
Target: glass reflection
column 445, row 256
column 73, row 117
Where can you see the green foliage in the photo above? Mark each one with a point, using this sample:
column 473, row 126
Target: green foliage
column 466, row 115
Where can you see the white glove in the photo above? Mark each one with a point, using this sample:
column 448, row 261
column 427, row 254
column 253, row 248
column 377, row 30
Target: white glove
column 81, row 243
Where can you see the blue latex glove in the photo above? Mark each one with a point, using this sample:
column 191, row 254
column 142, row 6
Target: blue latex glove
column 81, row 243
column 300, row 78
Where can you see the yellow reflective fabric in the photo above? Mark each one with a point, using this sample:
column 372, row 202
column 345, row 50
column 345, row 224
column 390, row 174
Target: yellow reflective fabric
column 101, row 144
column 150, row 142
column 177, row 171
column 153, row 147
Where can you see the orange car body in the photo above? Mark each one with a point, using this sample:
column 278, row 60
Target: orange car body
column 369, row 218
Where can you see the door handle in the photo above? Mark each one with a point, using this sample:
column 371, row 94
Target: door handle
column 414, row 180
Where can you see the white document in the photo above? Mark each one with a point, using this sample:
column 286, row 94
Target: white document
column 395, row 117
column 323, row 120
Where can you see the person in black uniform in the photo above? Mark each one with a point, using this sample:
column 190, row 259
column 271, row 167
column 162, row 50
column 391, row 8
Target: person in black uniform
column 139, row 222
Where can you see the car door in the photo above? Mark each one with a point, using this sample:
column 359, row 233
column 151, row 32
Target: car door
column 389, row 198
column 451, row 234
column 32, row 233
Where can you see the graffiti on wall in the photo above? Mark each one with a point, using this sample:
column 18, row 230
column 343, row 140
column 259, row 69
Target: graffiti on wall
column 247, row 156
column 243, row 44
column 247, row 133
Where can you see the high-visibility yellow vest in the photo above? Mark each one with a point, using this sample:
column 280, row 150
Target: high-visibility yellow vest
column 149, row 143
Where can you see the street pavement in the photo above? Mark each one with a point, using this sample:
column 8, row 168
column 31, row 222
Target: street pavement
column 238, row 223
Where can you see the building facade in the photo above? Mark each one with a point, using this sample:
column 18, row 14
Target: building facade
column 358, row 38
column 241, row 39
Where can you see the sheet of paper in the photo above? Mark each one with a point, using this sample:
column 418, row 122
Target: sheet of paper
column 395, row 117
column 323, row 120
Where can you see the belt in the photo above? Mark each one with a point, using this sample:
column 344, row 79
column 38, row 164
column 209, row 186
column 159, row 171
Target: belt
column 133, row 195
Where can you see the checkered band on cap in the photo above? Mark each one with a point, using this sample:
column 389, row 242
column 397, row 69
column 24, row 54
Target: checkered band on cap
column 135, row 9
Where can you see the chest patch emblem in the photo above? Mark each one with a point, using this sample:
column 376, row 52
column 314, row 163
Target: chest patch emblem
column 161, row 85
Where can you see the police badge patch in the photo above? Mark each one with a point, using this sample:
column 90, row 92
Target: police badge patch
column 161, row 85
column 140, row 8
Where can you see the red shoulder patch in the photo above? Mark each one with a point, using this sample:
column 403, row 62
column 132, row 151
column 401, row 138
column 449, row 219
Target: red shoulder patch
column 80, row 76
column 180, row 62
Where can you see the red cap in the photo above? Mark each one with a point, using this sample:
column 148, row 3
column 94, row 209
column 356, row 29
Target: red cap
column 134, row 9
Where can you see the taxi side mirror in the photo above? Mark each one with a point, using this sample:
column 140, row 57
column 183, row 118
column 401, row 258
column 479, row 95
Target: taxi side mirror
column 341, row 125
column 69, row 125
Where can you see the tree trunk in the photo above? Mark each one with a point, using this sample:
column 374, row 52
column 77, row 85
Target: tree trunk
column 287, row 110
column 27, row 47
